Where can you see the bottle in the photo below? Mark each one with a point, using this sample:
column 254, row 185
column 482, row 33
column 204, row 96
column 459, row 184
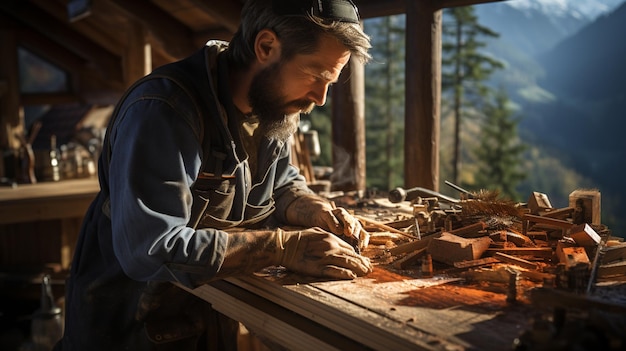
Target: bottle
column 55, row 159
column 47, row 322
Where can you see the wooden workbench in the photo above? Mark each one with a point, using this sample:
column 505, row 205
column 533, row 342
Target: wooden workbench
column 382, row 311
column 40, row 222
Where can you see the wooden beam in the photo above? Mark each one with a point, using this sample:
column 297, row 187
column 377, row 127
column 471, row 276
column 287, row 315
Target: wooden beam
column 174, row 37
column 57, row 54
column 100, row 27
column 441, row 4
column 138, row 57
column 82, row 74
column 423, row 95
column 377, row 8
column 228, row 12
column 58, row 31
column 348, row 129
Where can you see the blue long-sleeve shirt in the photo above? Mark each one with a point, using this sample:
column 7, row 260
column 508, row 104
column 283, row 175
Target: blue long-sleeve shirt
column 137, row 229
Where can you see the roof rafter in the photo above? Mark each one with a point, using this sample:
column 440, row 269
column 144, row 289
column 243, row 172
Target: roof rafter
column 173, row 36
column 59, row 32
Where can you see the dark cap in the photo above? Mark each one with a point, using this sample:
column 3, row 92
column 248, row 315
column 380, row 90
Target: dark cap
column 334, row 10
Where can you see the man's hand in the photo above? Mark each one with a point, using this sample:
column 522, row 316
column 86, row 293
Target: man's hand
column 341, row 222
column 316, row 252
column 311, row 211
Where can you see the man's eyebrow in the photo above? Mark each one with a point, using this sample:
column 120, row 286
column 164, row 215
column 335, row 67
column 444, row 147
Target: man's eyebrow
column 322, row 72
column 328, row 76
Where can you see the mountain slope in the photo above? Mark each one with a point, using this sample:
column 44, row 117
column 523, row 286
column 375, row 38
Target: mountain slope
column 565, row 73
column 584, row 121
column 590, row 63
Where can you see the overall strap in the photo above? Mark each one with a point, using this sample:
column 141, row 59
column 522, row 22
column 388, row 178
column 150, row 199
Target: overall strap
column 192, row 76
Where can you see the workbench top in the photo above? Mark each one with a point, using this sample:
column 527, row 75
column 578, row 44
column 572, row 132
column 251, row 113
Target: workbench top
column 46, row 190
column 396, row 307
column 47, row 200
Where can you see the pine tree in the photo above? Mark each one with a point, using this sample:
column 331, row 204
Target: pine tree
column 464, row 68
column 384, row 107
column 500, row 152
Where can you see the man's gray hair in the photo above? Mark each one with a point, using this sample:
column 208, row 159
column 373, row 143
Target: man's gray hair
column 299, row 34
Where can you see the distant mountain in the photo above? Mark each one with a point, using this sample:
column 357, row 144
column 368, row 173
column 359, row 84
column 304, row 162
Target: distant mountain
column 530, row 28
column 589, row 64
column 565, row 73
column 586, row 75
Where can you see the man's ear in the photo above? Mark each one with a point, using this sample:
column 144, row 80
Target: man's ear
column 267, row 47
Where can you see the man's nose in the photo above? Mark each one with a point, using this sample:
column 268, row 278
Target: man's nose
column 318, row 94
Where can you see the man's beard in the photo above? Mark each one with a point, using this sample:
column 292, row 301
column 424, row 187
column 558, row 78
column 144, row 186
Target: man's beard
column 270, row 106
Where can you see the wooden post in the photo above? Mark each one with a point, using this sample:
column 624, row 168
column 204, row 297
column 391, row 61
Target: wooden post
column 348, row 129
column 423, row 95
column 138, row 56
column 10, row 97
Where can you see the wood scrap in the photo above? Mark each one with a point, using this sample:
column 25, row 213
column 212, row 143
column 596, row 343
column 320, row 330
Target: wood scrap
column 495, row 275
column 584, row 235
column 382, row 238
column 514, row 260
column 470, row 231
column 368, row 221
column 537, row 235
column 558, row 223
column 587, row 205
column 450, row 248
column 475, row 263
column 573, row 256
column 518, row 239
column 403, row 223
column 561, row 213
column 542, row 252
column 413, row 245
column 538, row 202
column 613, row 253
column 409, row 260
column 612, row 269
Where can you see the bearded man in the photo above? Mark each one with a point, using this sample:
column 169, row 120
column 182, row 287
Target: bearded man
column 196, row 182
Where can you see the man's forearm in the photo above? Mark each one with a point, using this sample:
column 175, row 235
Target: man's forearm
column 248, row 252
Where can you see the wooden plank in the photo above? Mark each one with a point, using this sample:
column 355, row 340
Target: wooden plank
column 561, row 213
column 408, row 260
column 380, row 225
column 544, row 252
column 475, row 263
column 268, row 319
column 414, row 245
column 557, row 223
column 515, row 260
column 614, row 253
column 326, row 303
column 470, row 231
column 47, row 200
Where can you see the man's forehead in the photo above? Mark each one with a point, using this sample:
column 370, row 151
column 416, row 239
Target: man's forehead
column 327, row 69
